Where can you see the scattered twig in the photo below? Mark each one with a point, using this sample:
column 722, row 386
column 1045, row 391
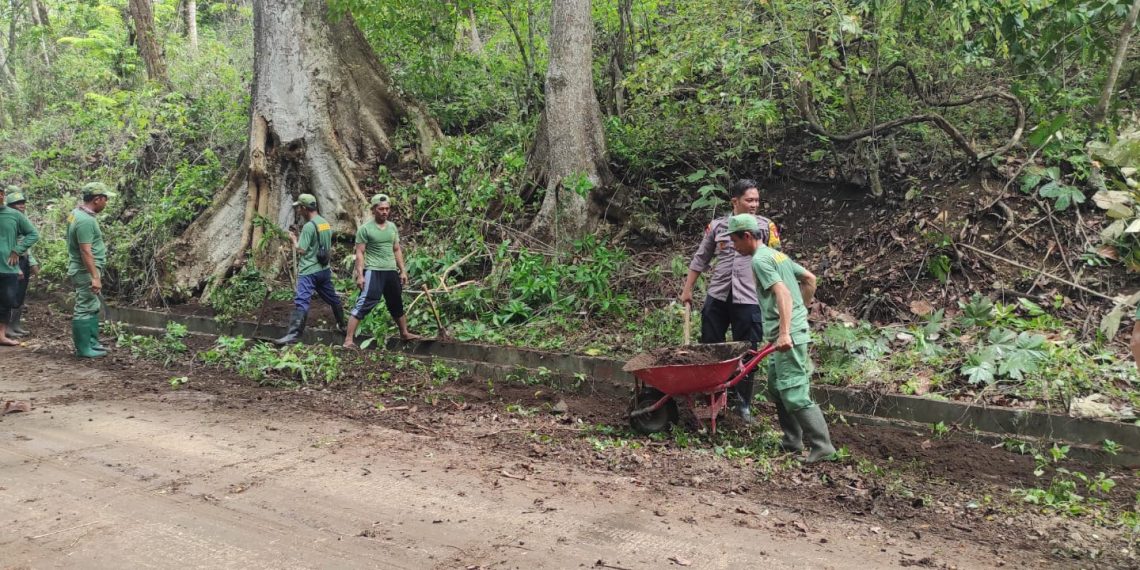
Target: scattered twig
column 510, row 475
column 511, row 546
column 602, row 564
column 64, row 530
column 418, row 426
column 1049, row 275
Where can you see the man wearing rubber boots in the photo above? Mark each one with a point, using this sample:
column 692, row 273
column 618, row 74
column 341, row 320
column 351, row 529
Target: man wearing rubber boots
column 783, row 288
column 313, row 271
column 380, row 271
column 731, row 300
column 17, row 234
column 29, row 267
column 87, row 255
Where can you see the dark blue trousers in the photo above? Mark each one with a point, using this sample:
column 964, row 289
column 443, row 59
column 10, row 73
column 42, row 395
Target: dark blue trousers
column 320, row 283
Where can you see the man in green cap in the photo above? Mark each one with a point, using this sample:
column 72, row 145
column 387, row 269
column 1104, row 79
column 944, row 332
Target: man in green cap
column 87, row 255
column 17, row 234
column 29, row 267
column 313, row 271
column 783, row 288
column 380, row 271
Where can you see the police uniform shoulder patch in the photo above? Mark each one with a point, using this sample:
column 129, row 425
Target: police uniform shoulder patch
column 773, row 235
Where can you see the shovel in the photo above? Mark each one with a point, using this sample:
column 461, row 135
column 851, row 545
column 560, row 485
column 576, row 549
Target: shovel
column 439, row 322
column 688, row 325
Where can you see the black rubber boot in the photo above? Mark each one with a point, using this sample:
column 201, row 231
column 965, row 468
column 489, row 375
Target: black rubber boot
column 15, row 330
column 296, row 328
column 811, row 420
column 338, row 314
column 743, row 400
column 793, row 440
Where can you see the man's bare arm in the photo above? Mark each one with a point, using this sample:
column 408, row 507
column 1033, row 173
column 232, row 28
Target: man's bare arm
column 807, row 286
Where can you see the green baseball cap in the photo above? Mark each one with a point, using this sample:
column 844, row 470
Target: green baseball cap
column 13, row 196
column 306, row 200
column 93, row 189
column 380, row 199
column 743, row 223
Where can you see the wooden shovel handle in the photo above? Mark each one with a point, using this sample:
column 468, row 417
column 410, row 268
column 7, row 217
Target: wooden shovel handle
column 688, row 323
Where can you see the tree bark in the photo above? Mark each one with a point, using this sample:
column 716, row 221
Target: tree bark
column 323, row 113
column 469, row 32
column 1117, row 61
column 192, row 24
column 147, row 41
column 38, row 13
column 570, row 142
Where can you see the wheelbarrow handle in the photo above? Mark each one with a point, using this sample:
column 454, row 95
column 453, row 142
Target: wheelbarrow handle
column 753, row 359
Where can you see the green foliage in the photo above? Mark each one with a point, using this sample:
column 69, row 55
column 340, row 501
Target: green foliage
column 1062, row 195
column 242, row 294
column 167, row 348
column 1006, row 355
column 939, row 267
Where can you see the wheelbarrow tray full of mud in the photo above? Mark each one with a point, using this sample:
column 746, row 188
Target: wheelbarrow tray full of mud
column 695, row 373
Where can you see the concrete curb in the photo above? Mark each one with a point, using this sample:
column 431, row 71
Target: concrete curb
column 604, row 376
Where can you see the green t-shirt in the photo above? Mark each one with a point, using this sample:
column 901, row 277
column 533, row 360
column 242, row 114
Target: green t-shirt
column 316, row 233
column 379, row 245
column 771, row 267
column 16, row 234
column 82, row 228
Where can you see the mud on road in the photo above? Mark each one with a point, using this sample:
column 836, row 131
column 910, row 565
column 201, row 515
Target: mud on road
column 113, row 468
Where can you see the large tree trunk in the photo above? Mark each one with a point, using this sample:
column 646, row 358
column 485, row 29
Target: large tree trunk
column 39, row 15
column 1117, row 61
column 468, row 37
column 147, row 41
column 192, row 24
column 322, row 115
column 570, row 143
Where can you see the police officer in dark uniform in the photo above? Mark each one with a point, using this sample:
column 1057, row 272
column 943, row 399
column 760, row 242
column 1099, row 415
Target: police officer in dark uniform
column 731, row 301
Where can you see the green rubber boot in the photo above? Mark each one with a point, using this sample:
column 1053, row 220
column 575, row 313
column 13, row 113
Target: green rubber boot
column 95, row 344
column 793, row 440
column 811, row 420
column 81, row 335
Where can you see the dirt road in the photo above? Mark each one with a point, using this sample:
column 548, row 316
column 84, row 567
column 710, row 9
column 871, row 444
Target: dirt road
column 184, row 479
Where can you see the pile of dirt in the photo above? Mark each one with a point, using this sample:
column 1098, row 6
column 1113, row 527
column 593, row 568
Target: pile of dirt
column 686, row 355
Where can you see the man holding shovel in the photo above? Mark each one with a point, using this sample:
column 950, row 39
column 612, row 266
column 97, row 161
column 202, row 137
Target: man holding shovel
column 380, row 271
column 784, row 289
column 731, row 300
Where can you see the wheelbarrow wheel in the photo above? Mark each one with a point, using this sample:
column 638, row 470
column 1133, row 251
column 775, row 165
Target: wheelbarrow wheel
column 656, row 421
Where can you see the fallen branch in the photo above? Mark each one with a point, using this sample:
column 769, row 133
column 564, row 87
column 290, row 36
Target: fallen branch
column 1028, row 268
column 64, row 530
column 814, row 125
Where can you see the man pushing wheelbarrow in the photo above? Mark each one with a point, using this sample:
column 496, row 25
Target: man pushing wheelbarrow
column 783, row 288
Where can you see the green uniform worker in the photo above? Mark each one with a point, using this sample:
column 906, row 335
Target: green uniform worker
column 17, row 234
column 782, row 286
column 87, row 255
column 29, row 267
column 313, row 272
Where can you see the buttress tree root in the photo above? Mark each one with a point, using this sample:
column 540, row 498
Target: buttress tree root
column 323, row 113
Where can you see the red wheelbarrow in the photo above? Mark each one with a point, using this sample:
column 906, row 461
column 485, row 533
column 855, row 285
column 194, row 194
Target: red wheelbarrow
column 654, row 407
